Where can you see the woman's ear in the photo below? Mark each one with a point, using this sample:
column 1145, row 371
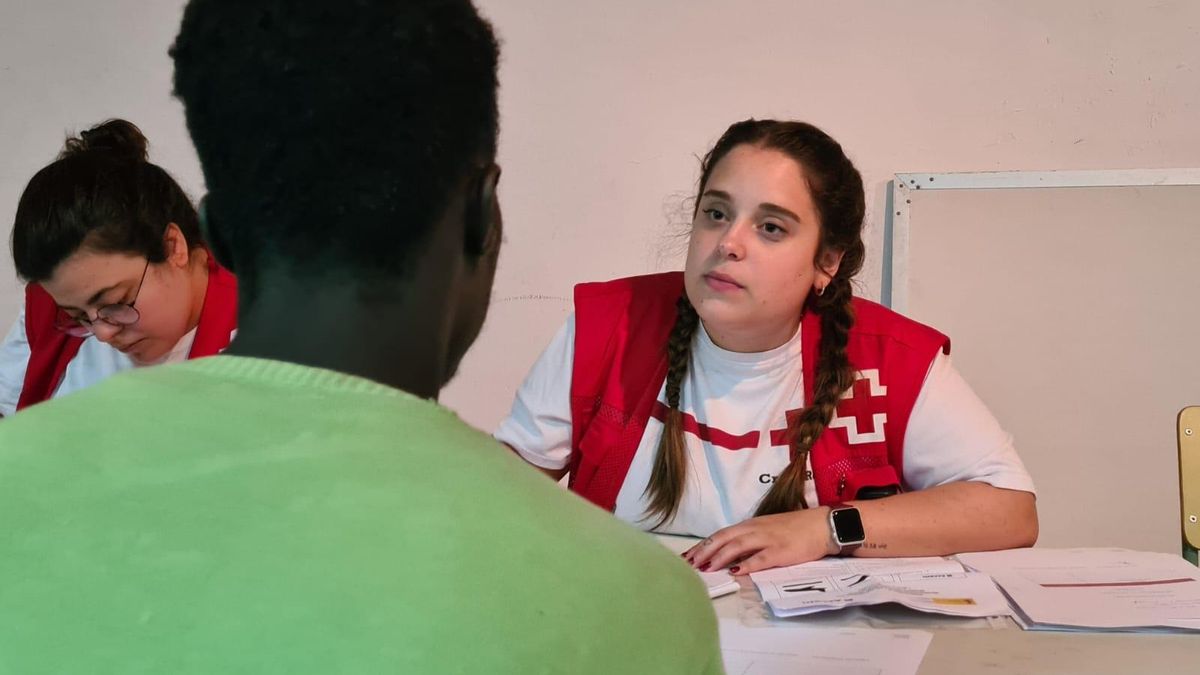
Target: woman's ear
column 482, row 215
column 828, row 262
column 175, row 246
column 213, row 237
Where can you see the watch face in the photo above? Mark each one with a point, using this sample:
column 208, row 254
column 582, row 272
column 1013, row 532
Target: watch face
column 847, row 524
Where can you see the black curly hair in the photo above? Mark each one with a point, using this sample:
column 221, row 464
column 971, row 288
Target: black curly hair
column 332, row 133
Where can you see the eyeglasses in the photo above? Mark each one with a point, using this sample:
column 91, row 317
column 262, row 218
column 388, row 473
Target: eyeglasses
column 120, row 314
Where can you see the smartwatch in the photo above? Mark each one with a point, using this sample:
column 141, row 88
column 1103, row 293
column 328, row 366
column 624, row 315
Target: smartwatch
column 846, row 528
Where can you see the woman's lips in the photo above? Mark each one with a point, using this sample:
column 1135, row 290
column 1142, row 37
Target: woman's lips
column 721, row 282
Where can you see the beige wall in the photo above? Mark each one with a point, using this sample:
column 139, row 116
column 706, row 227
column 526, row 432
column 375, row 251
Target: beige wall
column 606, row 104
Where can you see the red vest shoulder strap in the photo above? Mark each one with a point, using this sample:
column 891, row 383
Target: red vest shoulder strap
column 606, row 312
column 871, row 318
column 50, row 350
column 218, row 318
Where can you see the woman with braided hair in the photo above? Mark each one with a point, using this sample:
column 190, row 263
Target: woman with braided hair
column 754, row 401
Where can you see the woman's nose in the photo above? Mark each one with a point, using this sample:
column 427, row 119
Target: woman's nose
column 105, row 331
column 730, row 247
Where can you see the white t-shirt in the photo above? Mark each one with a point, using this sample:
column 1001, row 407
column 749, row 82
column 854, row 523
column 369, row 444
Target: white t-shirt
column 94, row 362
column 734, row 408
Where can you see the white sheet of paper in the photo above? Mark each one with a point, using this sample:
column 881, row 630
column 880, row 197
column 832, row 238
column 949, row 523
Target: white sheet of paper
column 785, row 650
column 934, row 585
column 1095, row 588
column 719, row 583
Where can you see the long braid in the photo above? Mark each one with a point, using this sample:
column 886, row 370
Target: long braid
column 834, row 375
column 670, row 460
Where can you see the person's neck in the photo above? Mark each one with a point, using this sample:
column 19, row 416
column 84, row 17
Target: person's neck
column 396, row 340
column 198, row 280
column 751, row 339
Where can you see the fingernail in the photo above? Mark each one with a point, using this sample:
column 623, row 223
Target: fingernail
column 734, row 570
column 704, row 567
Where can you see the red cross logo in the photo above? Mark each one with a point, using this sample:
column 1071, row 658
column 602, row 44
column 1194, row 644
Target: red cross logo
column 861, row 410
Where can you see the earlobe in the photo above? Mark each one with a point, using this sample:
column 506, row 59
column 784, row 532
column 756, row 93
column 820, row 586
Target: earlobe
column 482, row 217
column 212, row 237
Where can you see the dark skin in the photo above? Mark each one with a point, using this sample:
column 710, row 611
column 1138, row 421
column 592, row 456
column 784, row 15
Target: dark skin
column 406, row 333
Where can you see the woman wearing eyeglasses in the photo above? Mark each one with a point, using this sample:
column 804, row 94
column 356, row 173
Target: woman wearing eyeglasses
column 118, row 276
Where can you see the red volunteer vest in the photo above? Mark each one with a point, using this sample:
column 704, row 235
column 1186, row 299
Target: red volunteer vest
column 50, row 350
column 620, row 363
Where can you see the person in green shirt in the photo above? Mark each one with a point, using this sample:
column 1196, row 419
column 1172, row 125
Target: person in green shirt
column 301, row 504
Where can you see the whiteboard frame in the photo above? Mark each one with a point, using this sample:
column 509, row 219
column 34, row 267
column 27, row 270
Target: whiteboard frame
column 894, row 278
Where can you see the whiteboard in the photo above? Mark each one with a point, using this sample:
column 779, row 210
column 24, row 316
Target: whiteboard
column 1072, row 300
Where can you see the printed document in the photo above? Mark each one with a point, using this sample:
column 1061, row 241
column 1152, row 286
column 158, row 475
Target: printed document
column 1095, row 588
column 786, row 650
column 934, row 585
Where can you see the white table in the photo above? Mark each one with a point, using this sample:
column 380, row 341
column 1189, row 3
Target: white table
column 965, row 646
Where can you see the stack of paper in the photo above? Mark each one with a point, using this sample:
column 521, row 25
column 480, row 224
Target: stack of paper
column 932, row 585
column 1095, row 589
column 719, row 583
column 786, row 650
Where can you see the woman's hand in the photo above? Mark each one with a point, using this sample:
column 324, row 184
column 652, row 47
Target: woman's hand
column 766, row 541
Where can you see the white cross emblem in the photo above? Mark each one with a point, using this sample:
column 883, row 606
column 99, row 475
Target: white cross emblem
column 855, row 413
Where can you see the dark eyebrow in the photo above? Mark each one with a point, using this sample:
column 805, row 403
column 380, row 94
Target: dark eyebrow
column 92, row 300
column 779, row 211
column 765, row 206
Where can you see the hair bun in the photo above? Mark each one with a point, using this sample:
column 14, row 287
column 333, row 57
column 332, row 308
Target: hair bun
column 115, row 137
